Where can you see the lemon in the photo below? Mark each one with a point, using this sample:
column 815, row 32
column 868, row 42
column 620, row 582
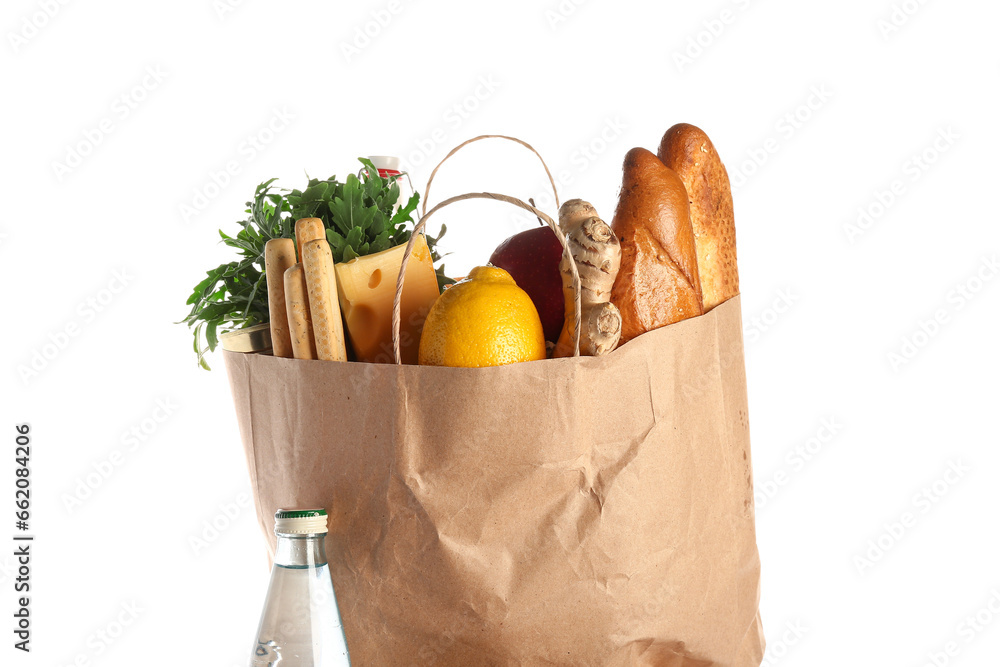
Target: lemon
column 484, row 320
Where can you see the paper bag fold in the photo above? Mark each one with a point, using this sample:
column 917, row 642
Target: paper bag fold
column 582, row 511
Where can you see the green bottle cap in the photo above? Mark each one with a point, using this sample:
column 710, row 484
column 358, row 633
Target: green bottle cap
column 300, row 521
column 298, row 514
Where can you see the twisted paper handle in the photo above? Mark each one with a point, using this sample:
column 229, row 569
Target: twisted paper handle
column 482, row 195
column 427, row 190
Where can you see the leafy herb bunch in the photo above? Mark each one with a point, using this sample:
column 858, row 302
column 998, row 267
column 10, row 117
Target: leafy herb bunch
column 359, row 219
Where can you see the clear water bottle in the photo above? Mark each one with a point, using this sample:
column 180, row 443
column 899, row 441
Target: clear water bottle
column 300, row 625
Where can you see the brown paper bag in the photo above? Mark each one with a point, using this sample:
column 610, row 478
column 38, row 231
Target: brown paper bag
column 579, row 511
column 589, row 511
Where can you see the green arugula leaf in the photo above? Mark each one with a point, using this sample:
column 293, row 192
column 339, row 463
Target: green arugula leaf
column 210, row 335
column 392, row 194
column 380, row 243
column 405, row 213
column 378, row 223
column 315, row 191
column 373, row 188
column 335, row 238
column 359, row 218
column 354, row 237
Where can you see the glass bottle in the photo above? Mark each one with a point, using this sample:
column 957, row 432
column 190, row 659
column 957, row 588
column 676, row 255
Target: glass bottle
column 300, row 625
column 389, row 166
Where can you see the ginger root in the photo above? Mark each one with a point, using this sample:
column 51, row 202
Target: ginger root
column 597, row 254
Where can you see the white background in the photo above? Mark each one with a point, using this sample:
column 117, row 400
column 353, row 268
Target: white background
column 817, row 109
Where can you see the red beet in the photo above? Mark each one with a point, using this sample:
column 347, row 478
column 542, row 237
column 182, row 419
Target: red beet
column 532, row 260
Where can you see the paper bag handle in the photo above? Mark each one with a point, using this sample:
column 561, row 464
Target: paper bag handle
column 567, row 254
column 427, row 190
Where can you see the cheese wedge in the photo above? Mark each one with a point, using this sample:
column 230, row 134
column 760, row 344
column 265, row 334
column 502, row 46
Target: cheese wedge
column 367, row 287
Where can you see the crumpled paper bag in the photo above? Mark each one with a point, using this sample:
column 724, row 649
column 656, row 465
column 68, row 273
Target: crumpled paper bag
column 581, row 511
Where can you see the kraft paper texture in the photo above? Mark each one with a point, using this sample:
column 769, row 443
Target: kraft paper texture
column 588, row 511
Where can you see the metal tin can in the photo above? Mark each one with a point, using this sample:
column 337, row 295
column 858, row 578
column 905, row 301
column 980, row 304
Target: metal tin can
column 252, row 339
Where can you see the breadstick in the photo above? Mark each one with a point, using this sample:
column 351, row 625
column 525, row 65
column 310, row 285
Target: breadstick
column 279, row 256
column 299, row 321
column 324, row 304
column 308, row 229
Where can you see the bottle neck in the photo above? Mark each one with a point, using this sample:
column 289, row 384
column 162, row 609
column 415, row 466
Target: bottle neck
column 300, row 551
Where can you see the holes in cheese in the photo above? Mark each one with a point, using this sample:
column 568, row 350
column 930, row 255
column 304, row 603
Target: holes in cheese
column 367, row 287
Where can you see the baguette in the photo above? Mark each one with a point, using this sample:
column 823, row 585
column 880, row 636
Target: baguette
column 279, row 256
column 658, row 281
column 688, row 151
column 299, row 320
column 324, row 304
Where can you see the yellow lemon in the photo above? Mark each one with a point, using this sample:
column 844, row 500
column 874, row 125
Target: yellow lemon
column 484, row 320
